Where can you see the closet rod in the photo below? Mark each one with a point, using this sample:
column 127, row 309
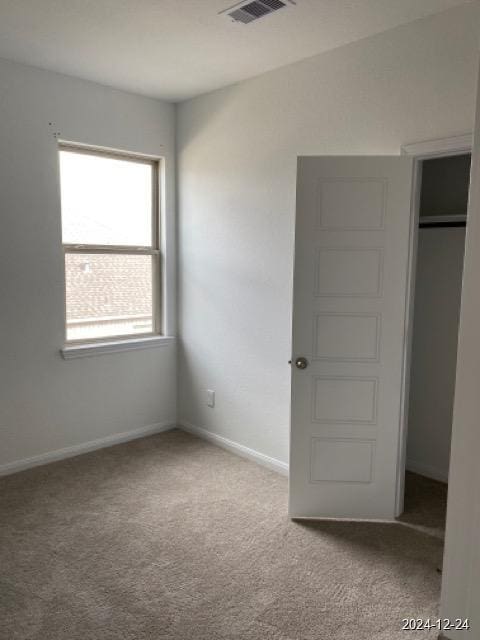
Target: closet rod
column 435, row 222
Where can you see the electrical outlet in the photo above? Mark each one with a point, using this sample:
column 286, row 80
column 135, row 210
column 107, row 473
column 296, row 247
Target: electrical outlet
column 210, row 398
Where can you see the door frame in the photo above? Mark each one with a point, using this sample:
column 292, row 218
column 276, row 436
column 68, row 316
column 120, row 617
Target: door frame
column 420, row 151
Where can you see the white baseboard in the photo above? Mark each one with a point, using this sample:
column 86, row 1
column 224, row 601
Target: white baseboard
column 427, row 471
column 234, row 447
column 85, row 447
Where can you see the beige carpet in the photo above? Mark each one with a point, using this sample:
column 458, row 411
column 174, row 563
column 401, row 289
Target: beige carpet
column 170, row 538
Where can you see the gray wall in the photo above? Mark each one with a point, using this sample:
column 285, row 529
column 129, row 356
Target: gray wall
column 461, row 561
column 438, row 291
column 47, row 403
column 237, row 151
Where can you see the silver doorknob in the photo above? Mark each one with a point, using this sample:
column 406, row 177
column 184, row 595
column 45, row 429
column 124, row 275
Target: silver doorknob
column 301, row 363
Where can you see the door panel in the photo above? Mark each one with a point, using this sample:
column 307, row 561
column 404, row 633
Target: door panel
column 351, row 263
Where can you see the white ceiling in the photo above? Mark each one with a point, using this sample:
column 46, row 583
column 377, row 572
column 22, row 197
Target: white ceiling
column 175, row 49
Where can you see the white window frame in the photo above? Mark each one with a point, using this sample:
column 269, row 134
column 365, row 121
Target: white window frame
column 123, row 342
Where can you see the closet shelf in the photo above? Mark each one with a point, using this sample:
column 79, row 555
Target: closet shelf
column 459, row 220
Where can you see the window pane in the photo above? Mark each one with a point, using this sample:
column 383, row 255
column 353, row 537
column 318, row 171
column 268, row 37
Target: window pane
column 105, row 200
column 108, row 295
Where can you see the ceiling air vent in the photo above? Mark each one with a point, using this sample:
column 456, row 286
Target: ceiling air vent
column 251, row 11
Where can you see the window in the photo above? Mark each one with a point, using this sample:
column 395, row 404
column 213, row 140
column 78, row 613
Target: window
column 111, row 242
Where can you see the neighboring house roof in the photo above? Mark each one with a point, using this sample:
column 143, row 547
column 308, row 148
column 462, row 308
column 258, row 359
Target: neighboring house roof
column 108, row 285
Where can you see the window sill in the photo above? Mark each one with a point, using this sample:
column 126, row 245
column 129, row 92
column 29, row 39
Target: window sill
column 113, row 346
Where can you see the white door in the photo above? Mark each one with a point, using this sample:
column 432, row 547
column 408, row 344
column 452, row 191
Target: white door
column 351, row 263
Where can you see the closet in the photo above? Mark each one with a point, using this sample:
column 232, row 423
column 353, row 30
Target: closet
column 438, row 285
